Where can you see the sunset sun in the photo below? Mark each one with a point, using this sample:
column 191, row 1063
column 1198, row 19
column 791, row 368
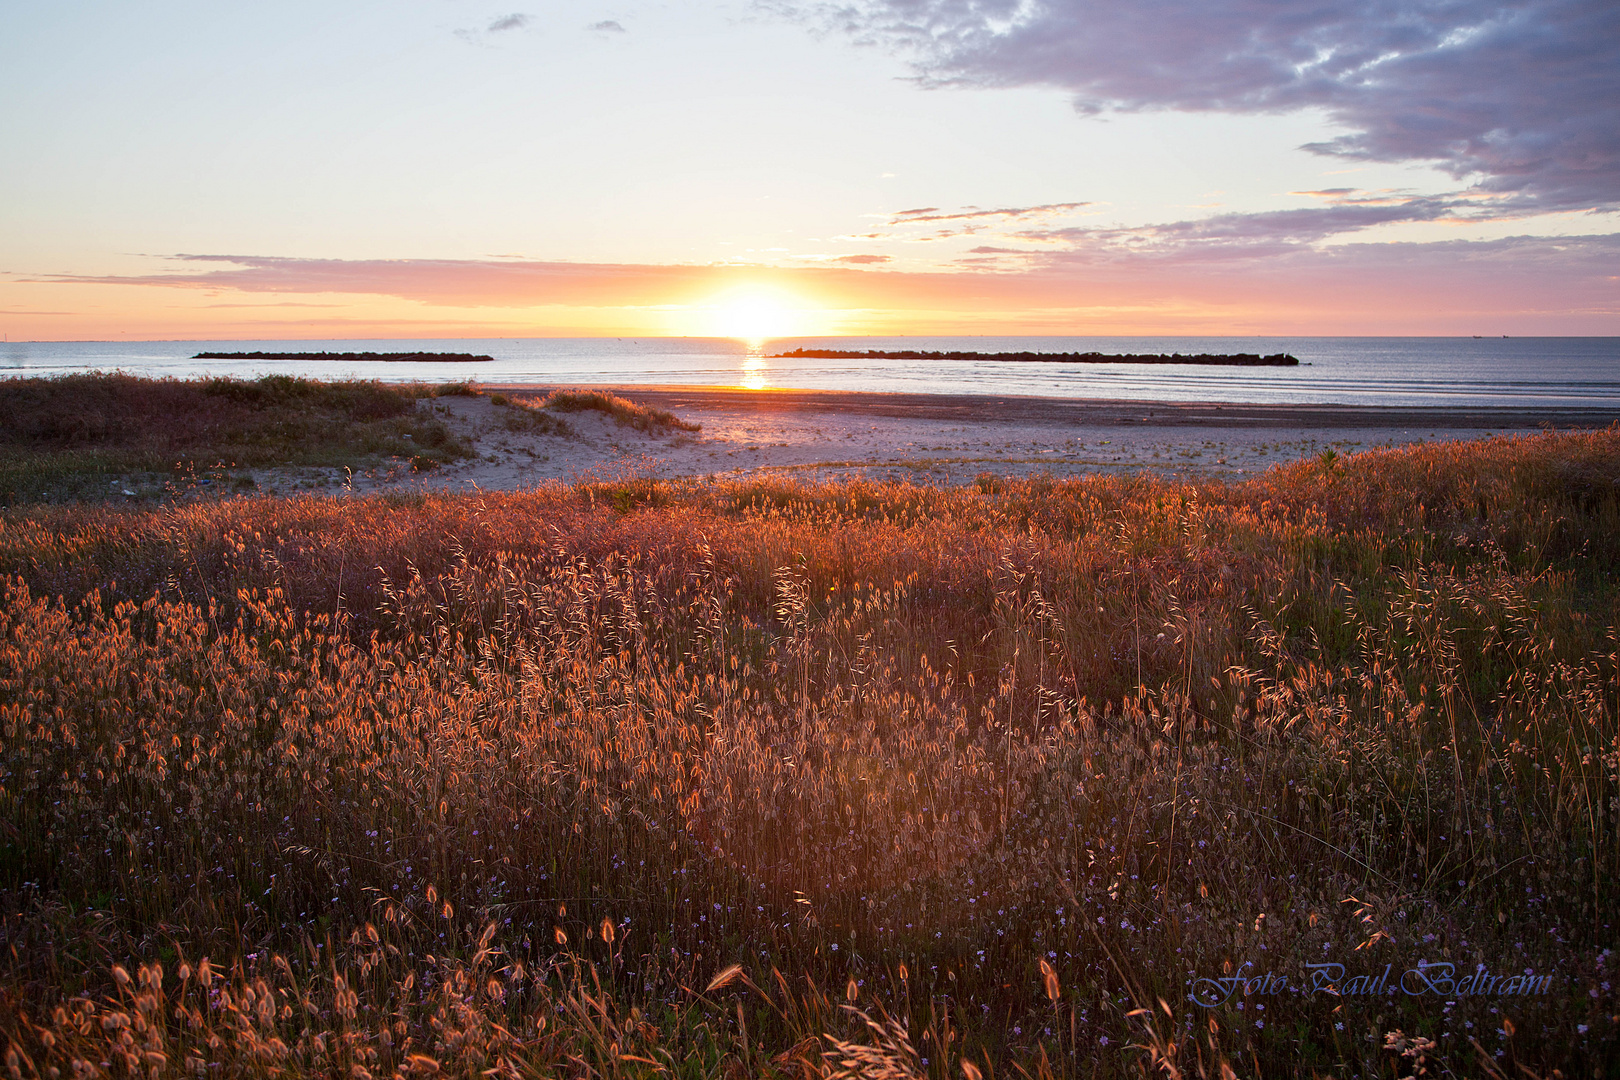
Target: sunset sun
column 755, row 314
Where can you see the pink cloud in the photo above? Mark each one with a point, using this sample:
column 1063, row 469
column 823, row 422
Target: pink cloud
column 934, row 213
column 1522, row 284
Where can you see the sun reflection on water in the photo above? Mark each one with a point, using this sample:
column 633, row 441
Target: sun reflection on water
column 754, row 368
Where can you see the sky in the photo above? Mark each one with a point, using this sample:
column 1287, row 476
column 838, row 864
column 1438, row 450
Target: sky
column 453, row 168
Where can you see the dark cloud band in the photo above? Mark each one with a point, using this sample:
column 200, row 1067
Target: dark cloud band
column 1516, row 97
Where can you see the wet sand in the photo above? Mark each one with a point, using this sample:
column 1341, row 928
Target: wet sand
column 1085, row 411
column 924, row 438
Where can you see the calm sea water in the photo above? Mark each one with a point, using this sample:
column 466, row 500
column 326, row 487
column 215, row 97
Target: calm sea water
column 1525, row 372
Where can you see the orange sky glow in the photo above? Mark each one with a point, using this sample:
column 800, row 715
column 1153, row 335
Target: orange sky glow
column 731, row 168
column 1357, row 289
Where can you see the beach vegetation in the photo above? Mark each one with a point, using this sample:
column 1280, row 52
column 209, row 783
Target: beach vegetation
column 520, row 415
column 644, row 418
column 1031, row 777
column 96, row 436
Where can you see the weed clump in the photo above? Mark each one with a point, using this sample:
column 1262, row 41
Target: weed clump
column 645, row 418
column 525, row 416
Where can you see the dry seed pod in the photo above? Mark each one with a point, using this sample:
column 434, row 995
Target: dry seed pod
column 1049, row 980
column 723, row 978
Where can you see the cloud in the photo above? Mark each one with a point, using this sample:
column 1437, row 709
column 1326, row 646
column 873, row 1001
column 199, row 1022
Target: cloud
column 862, row 260
column 1516, row 285
column 1223, row 237
column 608, row 26
column 1515, row 96
column 969, row 221
column 273, row 304
column 458, row 282
column 480, row 37
column 933, row 213
column 1242, row 236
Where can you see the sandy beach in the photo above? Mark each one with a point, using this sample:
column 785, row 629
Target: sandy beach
column 923, row 438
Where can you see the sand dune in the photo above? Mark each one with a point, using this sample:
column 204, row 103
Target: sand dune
column 936, row 439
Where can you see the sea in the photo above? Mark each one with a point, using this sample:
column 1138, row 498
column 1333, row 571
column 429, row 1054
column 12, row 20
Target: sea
column 1524, row 372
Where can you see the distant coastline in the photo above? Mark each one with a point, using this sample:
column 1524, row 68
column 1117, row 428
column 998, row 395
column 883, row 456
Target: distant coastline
column 1411, row 372
column 351, row 357
column 1207, row 359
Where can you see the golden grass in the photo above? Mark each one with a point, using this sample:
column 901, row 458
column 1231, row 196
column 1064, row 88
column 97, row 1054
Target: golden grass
column 963, row 781
column 529, row 416
column 536, row 415
column 647, row 418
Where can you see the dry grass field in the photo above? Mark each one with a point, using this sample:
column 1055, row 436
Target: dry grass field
column 767, row 779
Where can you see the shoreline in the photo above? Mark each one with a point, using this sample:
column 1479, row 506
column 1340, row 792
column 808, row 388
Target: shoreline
column 1093, row 357
column 930, row 439
column 1085, row 411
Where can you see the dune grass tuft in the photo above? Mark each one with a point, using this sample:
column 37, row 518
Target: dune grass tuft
column 521, row 415
column 646, row 418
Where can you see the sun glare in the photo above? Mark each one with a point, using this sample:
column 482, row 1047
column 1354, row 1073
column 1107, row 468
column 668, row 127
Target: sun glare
column 758, row 314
